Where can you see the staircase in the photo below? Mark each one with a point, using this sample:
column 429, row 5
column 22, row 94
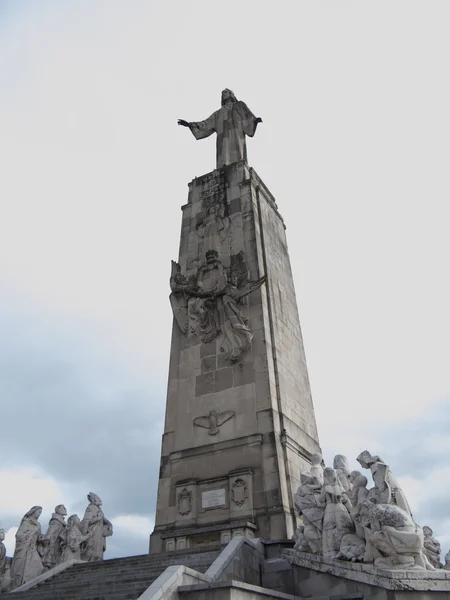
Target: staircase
column 115, row 579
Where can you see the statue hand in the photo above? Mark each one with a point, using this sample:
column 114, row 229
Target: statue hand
column 183, row 123
column 258, row 120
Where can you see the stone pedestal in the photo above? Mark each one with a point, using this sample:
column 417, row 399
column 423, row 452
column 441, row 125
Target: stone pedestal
column 239, row 427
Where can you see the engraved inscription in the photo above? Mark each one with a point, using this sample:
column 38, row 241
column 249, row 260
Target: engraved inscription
column 213, row 498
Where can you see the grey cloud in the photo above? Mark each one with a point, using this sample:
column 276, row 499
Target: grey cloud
column 80, row 416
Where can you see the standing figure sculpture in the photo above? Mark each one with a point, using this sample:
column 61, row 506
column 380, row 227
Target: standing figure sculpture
column 56, row 526
column 27, row 561
column 308, row 505
column 2, row 553
column 336, row 520
column 212, row 225
column 4, row 583
column 72, row 539
column 232, row 123
column 432, row 547
column 340, row 465
column 94, row 522
column 396, row 494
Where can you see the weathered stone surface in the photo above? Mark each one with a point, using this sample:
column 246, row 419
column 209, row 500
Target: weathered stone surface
column 232, row 123
column 95, row 527
column 27, row 561
column 55, row 531
column 272, row 432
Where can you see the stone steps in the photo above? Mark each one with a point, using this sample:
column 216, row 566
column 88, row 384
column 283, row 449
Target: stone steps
column 114, row 579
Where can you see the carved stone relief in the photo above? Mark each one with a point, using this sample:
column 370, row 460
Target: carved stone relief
column 239, row 492
column 213, row 224
column 184, row 502
column 207, row 304
column 214, row 420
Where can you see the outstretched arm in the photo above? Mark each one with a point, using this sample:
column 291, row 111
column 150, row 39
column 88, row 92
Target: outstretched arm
column 200, row 129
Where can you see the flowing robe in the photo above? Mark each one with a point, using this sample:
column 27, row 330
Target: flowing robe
column 52, row 554
column 73, row 538
column 336, row 520
column 27, row 562
column 232, row 123
column 94, row 521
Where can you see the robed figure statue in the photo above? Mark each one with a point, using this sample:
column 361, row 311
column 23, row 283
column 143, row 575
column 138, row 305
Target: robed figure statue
column 232, row 123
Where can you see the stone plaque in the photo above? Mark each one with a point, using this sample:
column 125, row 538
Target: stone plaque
column 213, row 498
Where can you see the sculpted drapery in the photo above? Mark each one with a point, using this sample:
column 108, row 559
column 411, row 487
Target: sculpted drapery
column 27, row 561
column 56, row 526
column 232, row 123
column 95, row 523
column 207, row 304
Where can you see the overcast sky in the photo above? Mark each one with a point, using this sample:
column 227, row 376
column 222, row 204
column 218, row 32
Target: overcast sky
column 355, row 100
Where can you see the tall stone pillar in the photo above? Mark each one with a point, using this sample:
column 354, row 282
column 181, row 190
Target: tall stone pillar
column 240, row 424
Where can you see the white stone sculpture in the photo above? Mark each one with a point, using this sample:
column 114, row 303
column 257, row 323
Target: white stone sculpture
column 396, row 540
column 5, row 579
column 4, row 571
column 308, row 505
column 432, row 547
column 336, row 519
column 27, row 561
column 345, row 520
column 381, row 472
column 2, row 552
column 340, row 465
column 72, row 539
column 301, row 543
column 317, row 466
column 56, row 526
column 352, row 548
column 358, row 495
column 447, row 561
column 94, row 522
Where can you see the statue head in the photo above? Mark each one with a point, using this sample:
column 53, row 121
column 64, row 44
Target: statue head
column 427, row 531
column 316, row 459
column 366, row 460
column 2, row 535
column 354, row 475
column 94, row 499
column 228, row 96
column 34, row 513
column 73, row 521
column 360, row 481
column 61, row 510
column 212, row 256
column 340, row 462
column 329, row 476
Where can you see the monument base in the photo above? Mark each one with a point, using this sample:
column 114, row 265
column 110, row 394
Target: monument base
column 314, row 575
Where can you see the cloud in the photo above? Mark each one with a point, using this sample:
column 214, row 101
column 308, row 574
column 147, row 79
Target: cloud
column 25, row 487
column 10, row 540
column 94, row 171
column 77, row 421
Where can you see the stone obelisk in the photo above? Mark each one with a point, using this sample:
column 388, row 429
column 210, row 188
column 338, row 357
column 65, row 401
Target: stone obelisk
column 240, row 424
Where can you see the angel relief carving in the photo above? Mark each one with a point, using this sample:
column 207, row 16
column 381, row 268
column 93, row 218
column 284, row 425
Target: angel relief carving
column 214, row 420
column 208, row 303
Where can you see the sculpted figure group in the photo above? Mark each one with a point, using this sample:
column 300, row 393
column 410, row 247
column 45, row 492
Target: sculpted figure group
column 208, row 303
column 35, row 553
column 344, row 520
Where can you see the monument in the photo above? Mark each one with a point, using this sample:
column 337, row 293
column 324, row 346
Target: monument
column 240, row 423
column 240, row 454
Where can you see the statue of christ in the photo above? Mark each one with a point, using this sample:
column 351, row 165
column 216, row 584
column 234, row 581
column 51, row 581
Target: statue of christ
column 232, row 123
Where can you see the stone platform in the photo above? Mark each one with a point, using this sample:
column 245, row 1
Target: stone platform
column 314, row 576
